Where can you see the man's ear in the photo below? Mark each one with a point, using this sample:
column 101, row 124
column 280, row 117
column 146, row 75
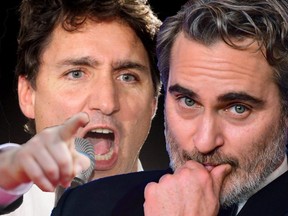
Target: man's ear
column 26, row 97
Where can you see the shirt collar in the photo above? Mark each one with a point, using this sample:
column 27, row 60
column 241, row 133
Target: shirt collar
column 139, row 166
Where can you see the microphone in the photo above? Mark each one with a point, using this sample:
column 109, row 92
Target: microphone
column 84, row 147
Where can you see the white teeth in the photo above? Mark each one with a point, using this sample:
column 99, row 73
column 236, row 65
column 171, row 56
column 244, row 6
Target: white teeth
column 102, row 130
column 107, row 156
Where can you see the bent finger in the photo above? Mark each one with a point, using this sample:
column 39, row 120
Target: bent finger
column 218, row 175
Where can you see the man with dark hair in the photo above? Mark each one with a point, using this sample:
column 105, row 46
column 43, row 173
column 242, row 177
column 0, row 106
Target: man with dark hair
column 92, row 56
column 224, row 67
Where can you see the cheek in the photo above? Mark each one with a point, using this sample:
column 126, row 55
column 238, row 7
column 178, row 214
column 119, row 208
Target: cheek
column 53, row 109
column 181, row 130
column 243, row 139
column 135, row 116
column 249, row 146
column 136, row 108
column 138, row 123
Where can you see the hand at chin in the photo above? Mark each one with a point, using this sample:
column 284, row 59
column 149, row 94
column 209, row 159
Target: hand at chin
column 192, row 190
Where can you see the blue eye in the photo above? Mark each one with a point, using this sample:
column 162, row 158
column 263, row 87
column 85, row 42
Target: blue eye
column 186, row 101
column 76, row 74
column 189, row 101
column 127, row 78
column 239, row 109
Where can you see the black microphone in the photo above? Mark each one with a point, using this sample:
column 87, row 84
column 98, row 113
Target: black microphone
column 83, row 146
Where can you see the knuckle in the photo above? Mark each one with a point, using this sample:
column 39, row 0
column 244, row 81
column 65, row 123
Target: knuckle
column 184, row 173
column 167, row 179
column 150, row 189
column 63, row 163
column 37, row 177
column 52, row 172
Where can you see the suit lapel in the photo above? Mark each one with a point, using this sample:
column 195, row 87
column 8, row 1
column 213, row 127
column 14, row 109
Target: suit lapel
column 271, row 200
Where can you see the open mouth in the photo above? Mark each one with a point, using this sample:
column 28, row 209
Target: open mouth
column 103, row 141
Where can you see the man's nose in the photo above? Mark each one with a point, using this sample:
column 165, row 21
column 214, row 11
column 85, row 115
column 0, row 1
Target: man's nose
column 104, row 96
column 208, row 135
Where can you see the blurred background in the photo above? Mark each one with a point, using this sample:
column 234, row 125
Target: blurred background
column 153, row 154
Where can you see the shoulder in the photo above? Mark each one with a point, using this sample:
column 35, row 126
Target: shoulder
column 104, row 195
column 270, row 200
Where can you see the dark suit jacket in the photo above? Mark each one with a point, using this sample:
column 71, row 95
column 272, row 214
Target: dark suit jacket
column 124, row 195
column 121, row 195
column 272, row 200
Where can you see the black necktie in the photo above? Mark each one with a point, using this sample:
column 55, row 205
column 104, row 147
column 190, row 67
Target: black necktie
column 229, row 211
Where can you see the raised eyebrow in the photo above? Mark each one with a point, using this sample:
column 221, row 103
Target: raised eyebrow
column 182, row 90
column 240, row 96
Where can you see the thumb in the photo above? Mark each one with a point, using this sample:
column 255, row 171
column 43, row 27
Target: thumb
column 218, row 175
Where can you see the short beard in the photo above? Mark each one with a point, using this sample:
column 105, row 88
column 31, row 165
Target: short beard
column 246, row 177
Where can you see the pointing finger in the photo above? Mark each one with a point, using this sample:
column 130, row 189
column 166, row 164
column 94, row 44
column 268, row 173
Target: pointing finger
column 71, row 126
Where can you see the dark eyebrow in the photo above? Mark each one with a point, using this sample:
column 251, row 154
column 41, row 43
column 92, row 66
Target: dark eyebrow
column 119, row 65
column 240, row 96
column 179, row 89
column 225, row 98
column 127, row 64
column 82, row 61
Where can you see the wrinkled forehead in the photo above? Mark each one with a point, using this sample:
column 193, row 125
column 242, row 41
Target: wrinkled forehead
column 219, row 65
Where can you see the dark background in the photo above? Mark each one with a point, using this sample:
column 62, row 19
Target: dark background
column 153, row 154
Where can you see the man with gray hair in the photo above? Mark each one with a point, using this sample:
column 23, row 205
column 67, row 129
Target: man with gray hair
column 224, row 67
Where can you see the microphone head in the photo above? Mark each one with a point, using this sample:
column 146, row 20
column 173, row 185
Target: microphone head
column 84, row 147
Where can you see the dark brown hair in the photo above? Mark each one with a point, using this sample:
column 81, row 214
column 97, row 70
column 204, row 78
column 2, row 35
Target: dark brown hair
column 38, row 18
